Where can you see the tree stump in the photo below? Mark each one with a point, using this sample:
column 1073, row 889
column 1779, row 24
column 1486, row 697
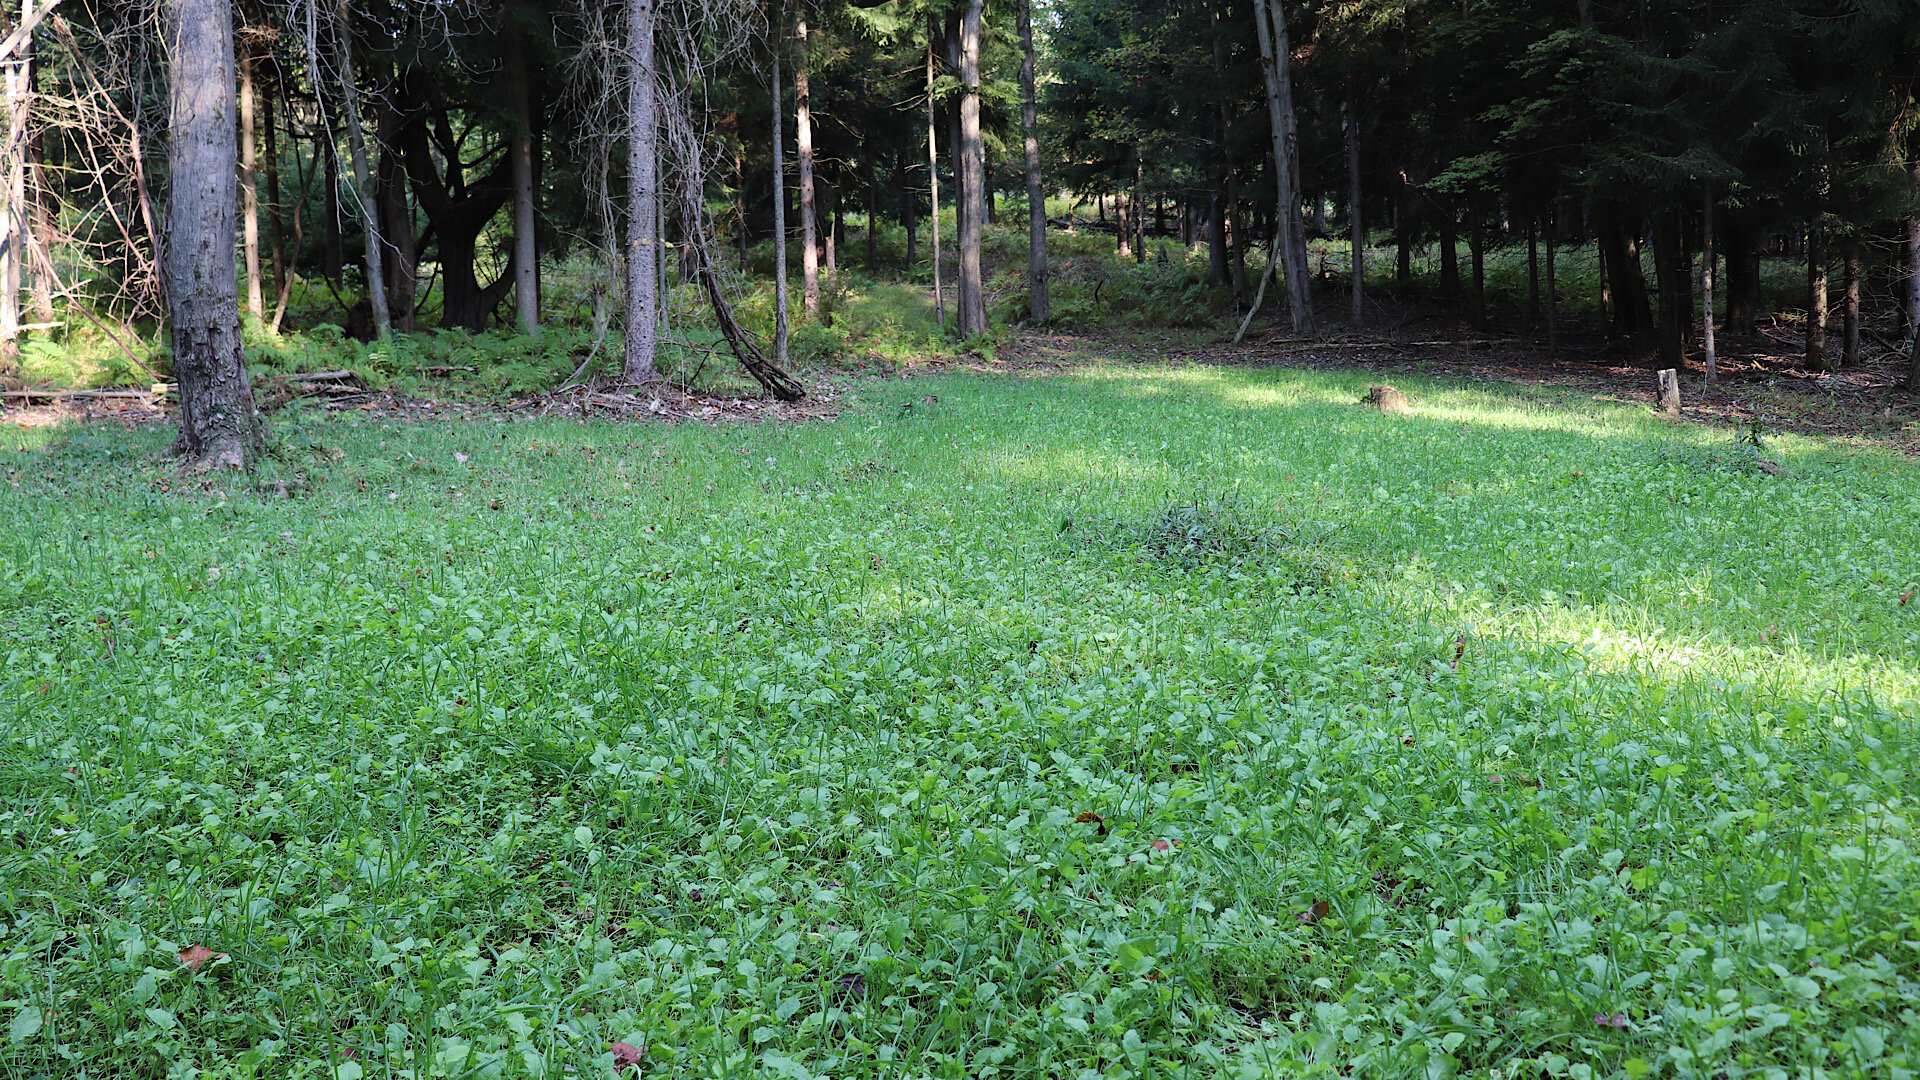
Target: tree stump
column 1670, row 393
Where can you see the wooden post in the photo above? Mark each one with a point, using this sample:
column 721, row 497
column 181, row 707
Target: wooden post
column 1670, row 393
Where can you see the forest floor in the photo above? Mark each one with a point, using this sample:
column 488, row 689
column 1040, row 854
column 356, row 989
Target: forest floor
column 1764, row 383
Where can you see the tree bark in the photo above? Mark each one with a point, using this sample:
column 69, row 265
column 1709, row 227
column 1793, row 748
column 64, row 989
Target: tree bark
column 973, row 301
column 401, row 248
column 643, row 199
column 1449, row 255
column 1277, row 61
column 13, row 202
column 1910, row 306
column 1553, row 288
column 526, row 254
column 219, row 426
column 1039, row 310
column 809, row 199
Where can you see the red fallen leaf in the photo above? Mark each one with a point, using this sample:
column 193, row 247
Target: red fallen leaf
column 625, row 1054
column 1320, row 910
column 1092, row 818
column 193, row 957
column 1906, row 596
column 1164, row 845
column 1459, row 650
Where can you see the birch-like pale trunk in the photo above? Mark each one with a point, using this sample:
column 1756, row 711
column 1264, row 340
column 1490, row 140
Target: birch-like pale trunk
column 13, row 216
column 250, row 190
column 803, row 149
column 219, row 426
column 1711, row 359
column 973, row 302
column 526, row 253
column 1276, row 62
column 643, row 198
column 933, row 193
column 1039, row 310
column 780, row 327
column 1816, row 353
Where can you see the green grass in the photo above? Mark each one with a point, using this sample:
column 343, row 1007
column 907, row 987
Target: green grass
column 1185, row 723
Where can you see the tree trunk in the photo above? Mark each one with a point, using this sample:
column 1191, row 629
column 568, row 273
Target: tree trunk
column 1910, row 308
column 908, row 211
column 1533, row 271
column 1553, row 288
column 1850, row 313
column 1038, row 308
column 809, row 218
column 1626, row 283
column 13, row 223
column 1477, row 285
column 526, row 254
column 973, row 302
column 1676, row 290
column 781, row 329
column 219, row 426
column 1218, row 272
column 1402, row 237
column 362, row 176
column 1744, row 238
column 333, row 254
column 1277, row 61
column 1139, row 208
column 401, row 245
column 1711, row 357
column 1816, row 301
column 933, row 190
column 250, row 190
column 276, row 217
column 1356, row 219
column 643, row 198
column 1449, row 255
column 873, row 217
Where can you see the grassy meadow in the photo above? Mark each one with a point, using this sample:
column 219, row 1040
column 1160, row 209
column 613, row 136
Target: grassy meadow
column 1139, row 722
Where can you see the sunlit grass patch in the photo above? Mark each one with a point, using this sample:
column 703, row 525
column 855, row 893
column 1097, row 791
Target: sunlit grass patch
column 826, row 748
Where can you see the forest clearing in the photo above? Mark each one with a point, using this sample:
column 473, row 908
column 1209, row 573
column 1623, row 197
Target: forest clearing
column 959, row 538
column 1151, row 721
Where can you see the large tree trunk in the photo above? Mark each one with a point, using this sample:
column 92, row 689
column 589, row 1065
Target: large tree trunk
column 13, row 204
column 1477, row 283
column 219, row 426
column 643, row 198
column 364, row 195
column 809, row 198
column 1449, row 254
column 973, row 301
column 526, row 254
column 1277, row 60
column 1910, row 301
column 1626, row 283
column 1676, row 289
column 1038, row 308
